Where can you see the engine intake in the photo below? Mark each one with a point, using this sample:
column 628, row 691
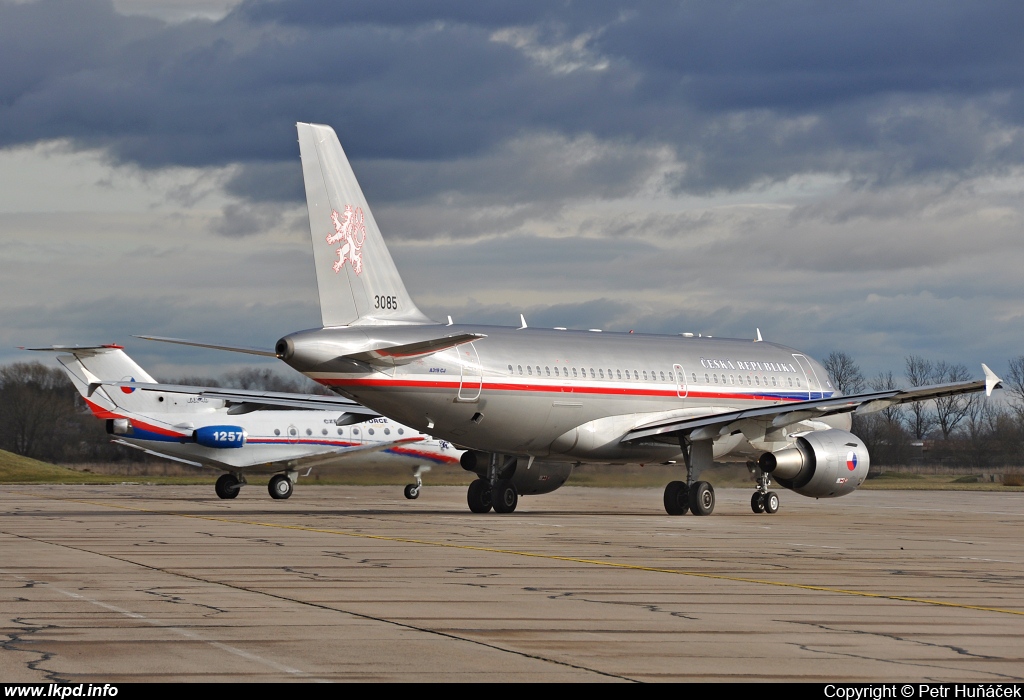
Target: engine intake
column 820, row 464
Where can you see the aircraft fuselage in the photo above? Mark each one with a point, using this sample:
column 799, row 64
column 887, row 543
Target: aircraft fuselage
column 558, row 393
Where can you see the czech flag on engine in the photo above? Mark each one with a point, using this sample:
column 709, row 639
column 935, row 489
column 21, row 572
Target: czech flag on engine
column 851, row 460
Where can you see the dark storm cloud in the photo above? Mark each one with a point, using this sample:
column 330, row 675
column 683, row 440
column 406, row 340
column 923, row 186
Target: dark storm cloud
column 744, row 92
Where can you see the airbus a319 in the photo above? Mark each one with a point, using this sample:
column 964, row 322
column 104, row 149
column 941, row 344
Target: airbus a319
column 516, row 396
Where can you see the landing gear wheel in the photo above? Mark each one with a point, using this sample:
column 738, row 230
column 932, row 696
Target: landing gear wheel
column 227, row 486
column 280, row 486
column 479, row 496
column 702, row 498
column 771, row 503
column 504, row 496
column 412, row 491
column 677, row 498
column 757, row 502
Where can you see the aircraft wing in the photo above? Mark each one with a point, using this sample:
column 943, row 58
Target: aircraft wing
column 230, row 348
column 297, row 462
column 779, row 415
column 245, row 396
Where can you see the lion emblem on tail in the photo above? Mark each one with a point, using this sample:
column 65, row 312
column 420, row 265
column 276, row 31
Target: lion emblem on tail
column 350, row 230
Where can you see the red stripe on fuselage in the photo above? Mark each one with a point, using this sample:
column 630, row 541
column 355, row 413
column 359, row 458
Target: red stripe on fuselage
column 560, row 390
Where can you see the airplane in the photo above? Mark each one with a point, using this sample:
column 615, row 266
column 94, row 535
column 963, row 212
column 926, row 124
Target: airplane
column 235, row 431
column 514, row 396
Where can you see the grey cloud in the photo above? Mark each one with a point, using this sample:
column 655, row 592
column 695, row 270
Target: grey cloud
column 743, row 93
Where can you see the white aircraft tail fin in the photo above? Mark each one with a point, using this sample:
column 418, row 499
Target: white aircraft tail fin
column 356, row 277
column 87, row 365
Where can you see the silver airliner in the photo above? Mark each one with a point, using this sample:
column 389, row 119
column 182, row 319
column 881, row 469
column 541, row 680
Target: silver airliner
column 530, row 403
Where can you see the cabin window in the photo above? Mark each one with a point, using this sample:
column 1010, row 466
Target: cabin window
column 574, row 372
column 401, row 431
column 636, row 375
column 538, row 370
column 662, row 376
column 600, row 373
column 790, row 380
column 529, row 370
column 715, row 377
column 355, row 431
column 339, row 431
column 748, row 380
column 277, row 431
column 775, row 381
column 645, row 375
column 324, row 431
column 510, row 369
column 798, row 381
column 520, row 369
column 694, row 375
column 547, row 371
column 370, row 431
column 387, row 431
column 293, row 431
column 757, row 380
column 592, row 375
column 707, row 378
column 609, row 372
column 731, row 379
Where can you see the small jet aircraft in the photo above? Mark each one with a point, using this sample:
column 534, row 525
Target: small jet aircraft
column 513, row 395
column 236, row 431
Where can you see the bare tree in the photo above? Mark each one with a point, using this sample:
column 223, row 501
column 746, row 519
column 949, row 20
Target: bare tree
column 950, row 410
column 1013, row 385
column 844, row 373
column 920, row 417
column 36, row 405
column 885, row 381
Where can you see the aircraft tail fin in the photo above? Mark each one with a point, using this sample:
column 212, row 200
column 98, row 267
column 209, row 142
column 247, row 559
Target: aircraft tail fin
column 87, row 365
column 356, row 277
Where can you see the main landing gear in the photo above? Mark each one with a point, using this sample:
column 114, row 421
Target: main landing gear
column 280, row 486
column 763, row 500
column 412, row 491
column 697, row 497
column 228, row 485
column 494, row 491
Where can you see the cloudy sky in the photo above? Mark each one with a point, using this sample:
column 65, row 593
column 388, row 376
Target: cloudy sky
column 840, row 175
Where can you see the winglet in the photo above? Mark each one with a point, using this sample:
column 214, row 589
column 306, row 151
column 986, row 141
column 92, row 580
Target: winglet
column 522, row 320
column 759, row 339
column 991, row 380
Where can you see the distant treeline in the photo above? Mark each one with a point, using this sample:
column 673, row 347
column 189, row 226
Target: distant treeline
column 968, row 431
column 43, row 416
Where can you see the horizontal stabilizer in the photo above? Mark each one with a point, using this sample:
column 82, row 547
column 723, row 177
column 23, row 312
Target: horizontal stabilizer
column 402, row 354
column 229, row 348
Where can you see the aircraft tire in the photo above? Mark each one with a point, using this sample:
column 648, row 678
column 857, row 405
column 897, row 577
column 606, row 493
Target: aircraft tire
column 702, row 498
column 227, row 486
column 757, row 502
column 280, row 487
column 479, row 496
column 677, row 498
column 771, row 503
column 412, row 491
column 504, row 496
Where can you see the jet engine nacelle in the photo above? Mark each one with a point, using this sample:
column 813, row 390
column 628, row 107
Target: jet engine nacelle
column 219, row 436
column 532, row 480
column 820, row 464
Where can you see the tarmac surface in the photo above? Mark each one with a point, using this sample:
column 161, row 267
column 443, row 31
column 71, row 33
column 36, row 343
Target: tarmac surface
column 138, row 583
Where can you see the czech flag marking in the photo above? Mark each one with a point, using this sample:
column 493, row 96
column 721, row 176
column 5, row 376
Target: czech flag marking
column 127, row 389
column 851, row 460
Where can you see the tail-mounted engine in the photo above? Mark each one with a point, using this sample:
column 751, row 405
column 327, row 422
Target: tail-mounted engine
column 219, row 436
column 537, row 478
column 820, row 464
